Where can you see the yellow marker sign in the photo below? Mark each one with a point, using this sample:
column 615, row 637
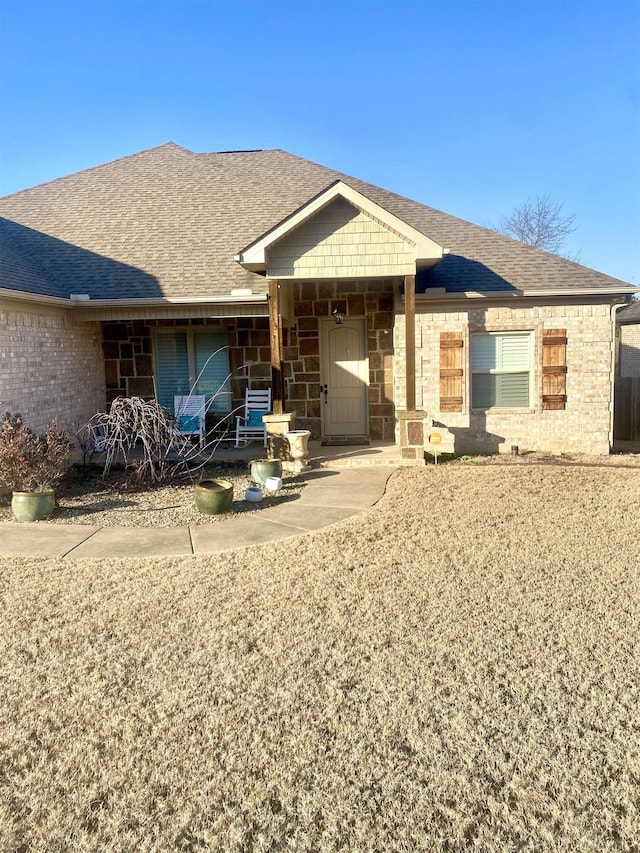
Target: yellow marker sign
column 435, row 438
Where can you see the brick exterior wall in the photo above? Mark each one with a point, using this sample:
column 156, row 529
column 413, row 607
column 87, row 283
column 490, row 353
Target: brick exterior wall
column 629, row 364
column 582, row 427
column 314, row 300
column 50, row 367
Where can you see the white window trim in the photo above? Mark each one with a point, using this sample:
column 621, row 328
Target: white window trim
column 531, row 370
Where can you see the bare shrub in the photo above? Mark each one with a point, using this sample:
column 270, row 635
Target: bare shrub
column 30, row 462
column 133, row 422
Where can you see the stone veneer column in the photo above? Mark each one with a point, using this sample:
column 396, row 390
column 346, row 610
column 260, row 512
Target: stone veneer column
column 277, row 425
column 411, row 427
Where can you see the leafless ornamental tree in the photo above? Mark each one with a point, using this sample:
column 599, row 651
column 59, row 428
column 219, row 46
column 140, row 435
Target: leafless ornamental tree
column 540, row 222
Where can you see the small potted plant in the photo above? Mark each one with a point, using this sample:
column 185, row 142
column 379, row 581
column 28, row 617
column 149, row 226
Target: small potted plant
column 31, row 465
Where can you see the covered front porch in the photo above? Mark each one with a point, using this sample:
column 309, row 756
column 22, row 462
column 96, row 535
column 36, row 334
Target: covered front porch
column 341, row 275
column 328, row 324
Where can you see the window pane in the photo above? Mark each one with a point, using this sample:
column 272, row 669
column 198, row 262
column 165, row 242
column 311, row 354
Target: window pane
column 212, row 369
column 484, row 352
column 483, row 390
column 512, row 389
column 493, row 357
column 501, row 352
column 514, row 352
column 172, row 367
column 508, row 390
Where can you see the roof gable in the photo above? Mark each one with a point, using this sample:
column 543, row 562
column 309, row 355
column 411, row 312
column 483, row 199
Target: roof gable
column 418, row 249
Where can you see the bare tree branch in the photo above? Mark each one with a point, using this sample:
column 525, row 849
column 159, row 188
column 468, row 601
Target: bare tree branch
column 540, row 222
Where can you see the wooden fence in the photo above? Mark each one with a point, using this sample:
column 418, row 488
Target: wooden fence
column 626, row 413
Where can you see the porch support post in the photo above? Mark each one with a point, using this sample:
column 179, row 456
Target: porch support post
column 275, row 329
column 411, row 423
column 410, row 339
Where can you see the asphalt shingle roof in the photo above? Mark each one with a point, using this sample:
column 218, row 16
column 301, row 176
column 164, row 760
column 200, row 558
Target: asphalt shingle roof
column 630, row 314
column 167, row 222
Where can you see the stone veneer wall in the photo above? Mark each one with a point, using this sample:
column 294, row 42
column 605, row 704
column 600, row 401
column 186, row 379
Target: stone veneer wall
column 582, row 427
column 314, row 300
column 128, row 354
column 128, row 351
column 50, row 366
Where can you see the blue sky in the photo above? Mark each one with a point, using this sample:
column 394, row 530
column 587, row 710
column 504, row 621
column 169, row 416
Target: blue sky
column 470, row 107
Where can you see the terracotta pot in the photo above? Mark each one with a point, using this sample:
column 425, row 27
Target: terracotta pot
column 263, row 468
column 213, row 497
column 32, row 506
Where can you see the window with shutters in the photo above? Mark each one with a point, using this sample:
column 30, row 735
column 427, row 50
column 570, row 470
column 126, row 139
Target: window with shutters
column 193, row 361
column 501, row 370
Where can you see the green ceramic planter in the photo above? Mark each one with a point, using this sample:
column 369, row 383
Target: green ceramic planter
column 32, row 506
column 263, row 468
column 214, row 496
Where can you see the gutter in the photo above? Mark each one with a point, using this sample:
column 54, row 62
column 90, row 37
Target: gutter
column 39, row 299
column 441, row 294
column 82, row 300
column 243, row 298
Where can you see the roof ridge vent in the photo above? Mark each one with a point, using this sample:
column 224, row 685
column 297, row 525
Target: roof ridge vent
column 243, row 151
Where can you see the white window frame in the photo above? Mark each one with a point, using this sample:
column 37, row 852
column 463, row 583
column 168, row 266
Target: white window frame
column 504, row 371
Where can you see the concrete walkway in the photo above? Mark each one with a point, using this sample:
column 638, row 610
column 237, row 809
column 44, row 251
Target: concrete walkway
column 331, row 496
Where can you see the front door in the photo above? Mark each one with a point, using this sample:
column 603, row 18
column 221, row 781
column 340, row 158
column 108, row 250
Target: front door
column 345, row 378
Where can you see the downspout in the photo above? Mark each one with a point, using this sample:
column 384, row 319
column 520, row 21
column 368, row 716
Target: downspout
column 614, row 310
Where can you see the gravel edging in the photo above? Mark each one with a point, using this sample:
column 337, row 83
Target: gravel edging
column 89, row 500
column 112, row 504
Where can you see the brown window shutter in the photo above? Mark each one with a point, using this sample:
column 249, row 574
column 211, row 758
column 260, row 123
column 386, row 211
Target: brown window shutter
column 451, row 372
column 554, row 369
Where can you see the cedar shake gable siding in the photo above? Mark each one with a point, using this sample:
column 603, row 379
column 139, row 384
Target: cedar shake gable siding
column 340, row 242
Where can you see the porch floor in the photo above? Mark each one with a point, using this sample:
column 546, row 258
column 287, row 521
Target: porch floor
column 376, row 453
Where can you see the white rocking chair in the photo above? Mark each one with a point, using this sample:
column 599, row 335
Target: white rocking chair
column 249, row 427
column 189, row 413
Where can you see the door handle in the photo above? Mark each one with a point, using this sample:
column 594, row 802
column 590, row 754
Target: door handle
column 324, row 389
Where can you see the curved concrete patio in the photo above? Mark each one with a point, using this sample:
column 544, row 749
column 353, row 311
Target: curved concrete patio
column 332, row 495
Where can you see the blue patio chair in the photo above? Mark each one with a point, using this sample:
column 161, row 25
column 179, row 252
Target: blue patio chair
column 190, row 415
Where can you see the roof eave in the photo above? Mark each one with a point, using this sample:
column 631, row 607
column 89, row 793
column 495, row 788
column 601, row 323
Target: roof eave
column 440, row 293
column 78, row 302
column 37, row 298
column 237, row 299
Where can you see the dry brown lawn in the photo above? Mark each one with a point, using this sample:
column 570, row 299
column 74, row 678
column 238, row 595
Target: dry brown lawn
column 457, row 668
